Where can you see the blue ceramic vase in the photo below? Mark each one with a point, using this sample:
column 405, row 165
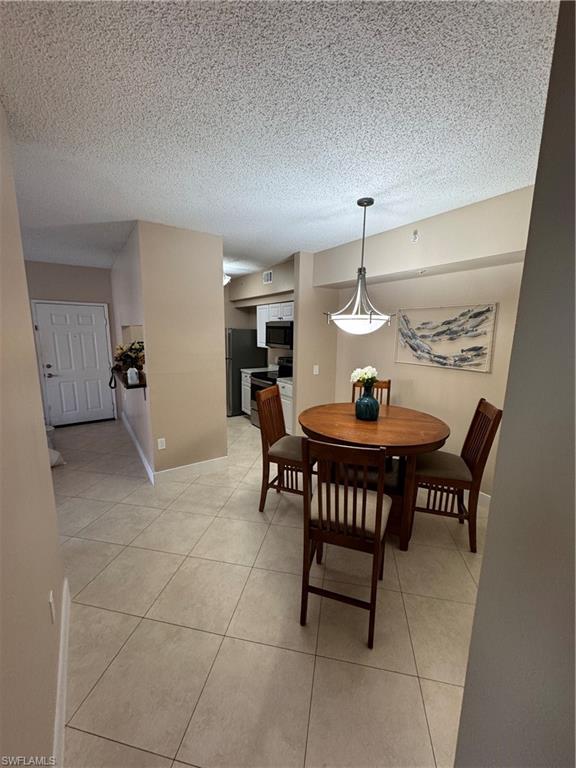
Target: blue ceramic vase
column 367, row 407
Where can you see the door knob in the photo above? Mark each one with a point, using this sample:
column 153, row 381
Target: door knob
column 49, row 375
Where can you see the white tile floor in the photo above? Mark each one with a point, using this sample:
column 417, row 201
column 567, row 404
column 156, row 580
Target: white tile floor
column 186, row 647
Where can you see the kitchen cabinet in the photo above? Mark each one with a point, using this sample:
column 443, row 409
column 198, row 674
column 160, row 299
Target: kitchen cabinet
column 275, row 311
column 285, row 388
column 262, row 315
column 281, row 310
column 246, row 393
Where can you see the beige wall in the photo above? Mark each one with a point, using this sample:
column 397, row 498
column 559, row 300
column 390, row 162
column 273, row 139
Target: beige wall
column 30, row 560
column 237, row 318
column 272, row 299
column 251, row 286
column 129, row 311
column 495, row 230
column 184, row 335
column 64, row 282
column 315, row 340
column 518, row 707
column 449, row 394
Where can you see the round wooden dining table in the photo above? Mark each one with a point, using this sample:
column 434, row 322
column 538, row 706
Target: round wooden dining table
column 404, row 432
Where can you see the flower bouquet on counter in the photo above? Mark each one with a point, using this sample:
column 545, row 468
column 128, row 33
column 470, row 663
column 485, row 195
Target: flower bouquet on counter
column 367, row 407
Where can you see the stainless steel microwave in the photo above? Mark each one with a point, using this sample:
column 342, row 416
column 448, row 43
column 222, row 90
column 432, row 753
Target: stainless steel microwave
column 280, row 333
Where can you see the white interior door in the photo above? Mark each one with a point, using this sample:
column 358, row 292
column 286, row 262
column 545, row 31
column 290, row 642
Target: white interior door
column 74, row 352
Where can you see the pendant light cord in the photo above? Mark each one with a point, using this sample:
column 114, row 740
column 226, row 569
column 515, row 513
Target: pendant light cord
column 363, row 238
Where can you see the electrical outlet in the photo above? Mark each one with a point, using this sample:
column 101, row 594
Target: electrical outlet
column 315, row 370
column 161, row 443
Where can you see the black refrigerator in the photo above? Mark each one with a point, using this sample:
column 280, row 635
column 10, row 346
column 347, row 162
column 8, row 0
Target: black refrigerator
column 241, row 352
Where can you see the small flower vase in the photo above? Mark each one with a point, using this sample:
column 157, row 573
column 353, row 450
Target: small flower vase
column 367, row 407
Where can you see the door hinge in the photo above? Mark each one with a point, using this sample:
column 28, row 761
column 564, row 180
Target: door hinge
column 35, row 327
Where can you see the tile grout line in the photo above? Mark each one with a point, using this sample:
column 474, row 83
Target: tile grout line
column 104, row 541
column 123, row 547
column 191, row 554
column 468, row 568
column 116, row 741
column 427, row 721
column 268, row 645
column 75, row 535
column 315, row 660
column 248, row 577
column 141, row 619
column 155, row 600
column 185, row 730
column 418, row 678
column 216, row 655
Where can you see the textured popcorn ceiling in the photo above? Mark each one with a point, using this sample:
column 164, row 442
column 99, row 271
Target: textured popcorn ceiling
column 264, row 121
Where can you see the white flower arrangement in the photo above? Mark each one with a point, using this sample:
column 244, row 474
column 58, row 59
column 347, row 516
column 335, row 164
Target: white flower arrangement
column 367, row 375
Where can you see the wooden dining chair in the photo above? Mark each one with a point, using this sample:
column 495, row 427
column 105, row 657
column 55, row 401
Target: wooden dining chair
column 381, row 388
column 445, row 476
column 278, row 447
column 345, row 513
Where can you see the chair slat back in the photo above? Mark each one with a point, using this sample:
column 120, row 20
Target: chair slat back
column 342, row 494
column 480, row 437
column 381, row 389
column 272, row 426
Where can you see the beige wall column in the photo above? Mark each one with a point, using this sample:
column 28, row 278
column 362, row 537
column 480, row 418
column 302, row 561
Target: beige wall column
column 518, row 707
column 184, row 336
column 30, row 561
column 129, row 311
column 315, row 339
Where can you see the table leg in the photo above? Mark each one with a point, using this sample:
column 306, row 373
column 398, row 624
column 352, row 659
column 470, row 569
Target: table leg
column 408, row 502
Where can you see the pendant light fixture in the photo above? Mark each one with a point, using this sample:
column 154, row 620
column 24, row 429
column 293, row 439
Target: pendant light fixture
column 360, row 316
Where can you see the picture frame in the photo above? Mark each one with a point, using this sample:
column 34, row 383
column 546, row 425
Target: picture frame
column 450, row 337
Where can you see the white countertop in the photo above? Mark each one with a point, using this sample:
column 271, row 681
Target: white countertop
column 286, row 380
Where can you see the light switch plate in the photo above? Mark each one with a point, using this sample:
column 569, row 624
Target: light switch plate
column 315, row 370
column 161, row 443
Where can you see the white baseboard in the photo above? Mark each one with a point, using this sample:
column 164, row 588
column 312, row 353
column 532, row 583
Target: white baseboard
column 143, row 459
column 60, row 714
column 484, row 500
column 209, row 465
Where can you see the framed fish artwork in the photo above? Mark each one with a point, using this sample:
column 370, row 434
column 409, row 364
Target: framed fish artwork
column 447, row 337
